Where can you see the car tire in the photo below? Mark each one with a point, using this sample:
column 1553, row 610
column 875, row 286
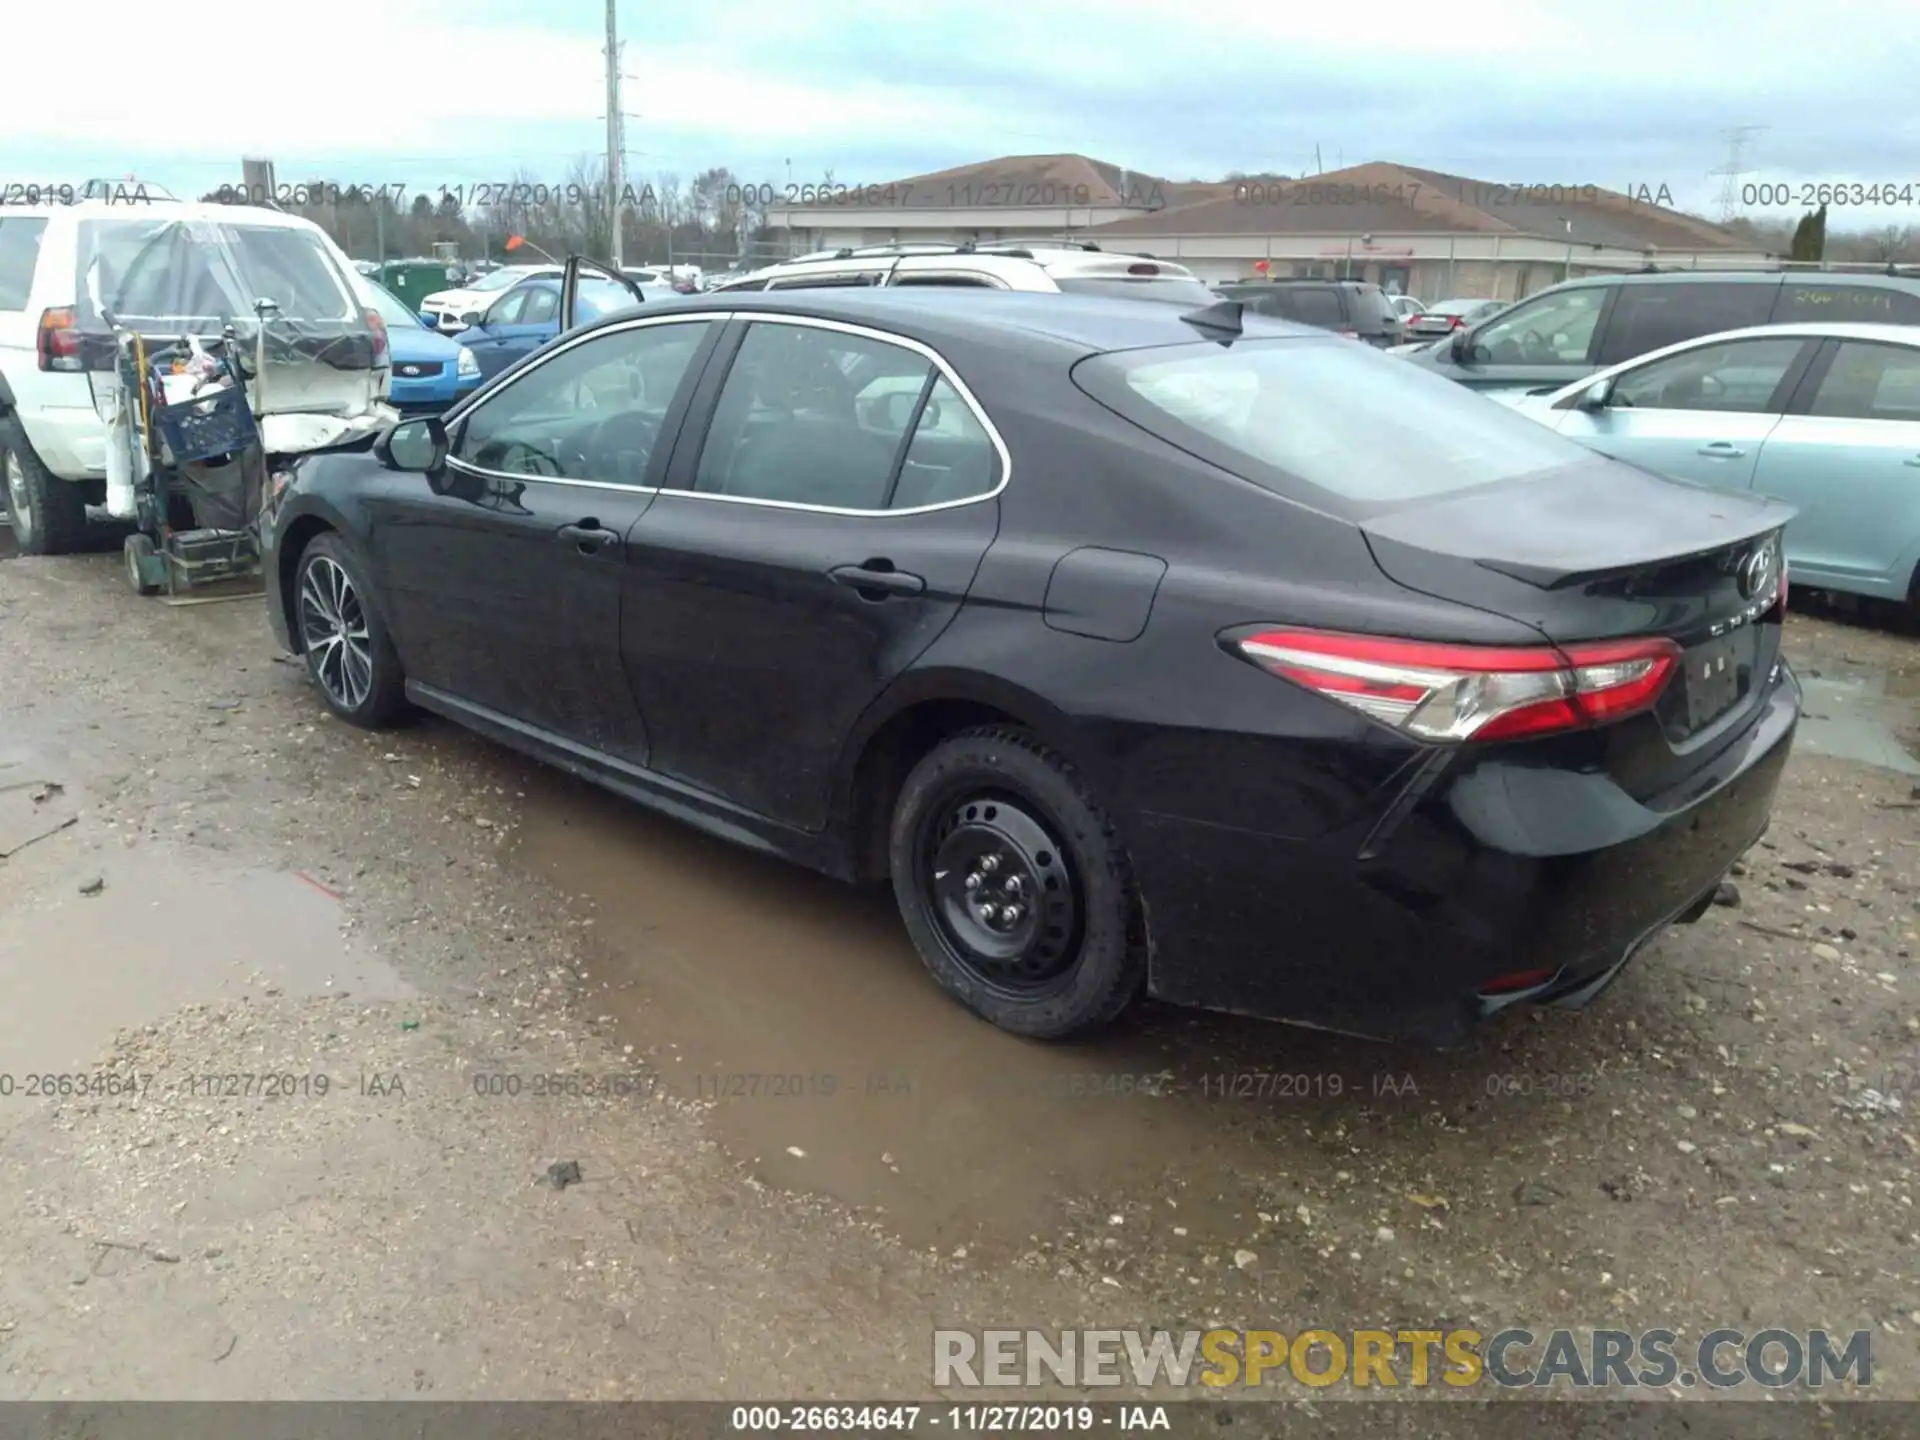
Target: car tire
column 991, row 811
column 48, row 515
column 341, row 634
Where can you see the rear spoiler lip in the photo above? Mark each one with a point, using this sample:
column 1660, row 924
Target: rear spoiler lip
column 1560, row 577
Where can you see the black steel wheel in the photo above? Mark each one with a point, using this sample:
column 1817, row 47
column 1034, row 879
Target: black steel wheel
column 1014, row 887
column 1002, row 892
column 340, row 632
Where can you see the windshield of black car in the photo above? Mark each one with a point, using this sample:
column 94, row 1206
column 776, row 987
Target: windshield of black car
column 1363, row 429
column 1179, row 290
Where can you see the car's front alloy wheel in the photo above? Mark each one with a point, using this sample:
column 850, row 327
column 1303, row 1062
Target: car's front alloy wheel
column 1014, row 887
column 343, row 638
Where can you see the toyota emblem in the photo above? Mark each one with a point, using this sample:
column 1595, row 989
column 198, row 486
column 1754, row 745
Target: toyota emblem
column 1755, row 574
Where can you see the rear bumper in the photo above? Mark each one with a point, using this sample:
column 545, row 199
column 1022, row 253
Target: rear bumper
column 1498, row 869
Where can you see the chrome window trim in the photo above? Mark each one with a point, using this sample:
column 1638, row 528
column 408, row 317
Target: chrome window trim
column 753, row 317
column 885, row 337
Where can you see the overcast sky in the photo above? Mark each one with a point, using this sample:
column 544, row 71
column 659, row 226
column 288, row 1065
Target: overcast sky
column 453, row 92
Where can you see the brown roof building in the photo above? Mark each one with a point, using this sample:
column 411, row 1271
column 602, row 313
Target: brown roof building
column 1421, row 232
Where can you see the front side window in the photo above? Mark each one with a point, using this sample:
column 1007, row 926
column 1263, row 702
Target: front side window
column 810, row 416
column 1740, row 376
column 1652, row 317
column 592, row 412
column 541, row 307
column 507, row 309
column 1551, row 330
column 1867, row 381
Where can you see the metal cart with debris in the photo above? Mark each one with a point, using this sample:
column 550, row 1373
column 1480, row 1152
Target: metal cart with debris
column 196, row 459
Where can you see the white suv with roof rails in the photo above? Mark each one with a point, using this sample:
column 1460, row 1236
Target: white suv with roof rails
column 1074, row 268
column 53, row 441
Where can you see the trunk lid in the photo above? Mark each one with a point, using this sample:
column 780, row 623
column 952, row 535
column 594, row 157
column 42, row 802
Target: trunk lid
column 1606, row 551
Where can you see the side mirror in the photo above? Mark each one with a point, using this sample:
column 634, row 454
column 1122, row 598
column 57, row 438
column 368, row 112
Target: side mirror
column 415, row 446
column 1596, row 395
column 1460, row 345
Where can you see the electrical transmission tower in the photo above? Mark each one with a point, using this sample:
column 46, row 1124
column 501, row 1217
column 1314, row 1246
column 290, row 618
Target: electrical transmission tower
column 1733, row 172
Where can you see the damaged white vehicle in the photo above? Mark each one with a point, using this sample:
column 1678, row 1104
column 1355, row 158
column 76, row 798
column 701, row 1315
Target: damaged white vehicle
column 136, row 340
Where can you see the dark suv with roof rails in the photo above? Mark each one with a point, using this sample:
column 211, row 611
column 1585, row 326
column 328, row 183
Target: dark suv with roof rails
column 1581, row 326
column 1357, row 309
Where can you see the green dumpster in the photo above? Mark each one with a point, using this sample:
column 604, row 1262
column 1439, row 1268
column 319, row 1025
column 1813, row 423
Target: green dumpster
column 414, row 280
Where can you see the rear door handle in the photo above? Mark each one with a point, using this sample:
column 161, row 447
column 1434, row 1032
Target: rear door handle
column 589, row 538
column 1721, row 450
column 879, row 577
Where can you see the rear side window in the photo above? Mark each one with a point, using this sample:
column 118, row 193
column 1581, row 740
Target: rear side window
column 1870, row 382
column 1315, row 306
column 1363, row 429
column 1372, row 307
column 19, row 250
column 1650, row 317
column 1868, row 304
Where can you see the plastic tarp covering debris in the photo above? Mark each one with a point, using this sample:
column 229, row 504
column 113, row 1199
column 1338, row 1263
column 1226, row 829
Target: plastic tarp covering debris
column 168, row 277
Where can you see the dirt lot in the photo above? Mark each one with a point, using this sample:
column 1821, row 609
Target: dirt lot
column 820, row 1158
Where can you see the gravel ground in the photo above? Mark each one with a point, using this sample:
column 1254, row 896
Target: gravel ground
column 246, row 887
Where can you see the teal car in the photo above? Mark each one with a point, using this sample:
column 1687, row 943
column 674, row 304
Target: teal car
column 1823, row 416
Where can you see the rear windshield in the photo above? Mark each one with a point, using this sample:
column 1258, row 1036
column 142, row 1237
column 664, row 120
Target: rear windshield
column 1180, row 292
column 1364, row 429
column 154, row 268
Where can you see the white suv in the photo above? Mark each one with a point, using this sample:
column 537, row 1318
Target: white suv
column 1074, row 267
column 53, row 257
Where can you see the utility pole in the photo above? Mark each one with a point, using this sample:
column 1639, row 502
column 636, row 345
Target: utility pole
column 613, row 134
column 1733, row 171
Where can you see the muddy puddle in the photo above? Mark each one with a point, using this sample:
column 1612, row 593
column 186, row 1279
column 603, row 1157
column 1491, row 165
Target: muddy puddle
column 96, row 935
column 1862, row 712
column 835, row 1065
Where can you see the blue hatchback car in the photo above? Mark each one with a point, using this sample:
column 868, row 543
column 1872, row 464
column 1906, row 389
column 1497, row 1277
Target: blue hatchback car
column 429, row 370
column 528, row 315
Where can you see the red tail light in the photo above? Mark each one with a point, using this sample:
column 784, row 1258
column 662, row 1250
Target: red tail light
column 1456, row 321
column 379, row 329
column 59, row 341
column 1351, row 334
column 1143, row 269
column 1471, row 692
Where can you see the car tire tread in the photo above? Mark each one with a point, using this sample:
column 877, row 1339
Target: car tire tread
column 1110, row 971
column 59, row 507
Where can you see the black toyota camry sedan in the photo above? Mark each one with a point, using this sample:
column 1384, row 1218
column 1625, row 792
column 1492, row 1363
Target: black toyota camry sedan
column 1142, row 650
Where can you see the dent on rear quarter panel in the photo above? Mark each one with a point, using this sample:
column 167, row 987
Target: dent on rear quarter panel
column 1102, row 594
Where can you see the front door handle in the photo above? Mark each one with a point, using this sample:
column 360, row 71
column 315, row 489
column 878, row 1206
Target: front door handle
column 1915, row 462
column 589, row 538
column 1721, row 450
column 877, row 579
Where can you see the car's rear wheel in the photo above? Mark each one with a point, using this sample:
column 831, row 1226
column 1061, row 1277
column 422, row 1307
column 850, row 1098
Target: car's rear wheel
column 348, row 652
column 1014, row 887
column 48, row 515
